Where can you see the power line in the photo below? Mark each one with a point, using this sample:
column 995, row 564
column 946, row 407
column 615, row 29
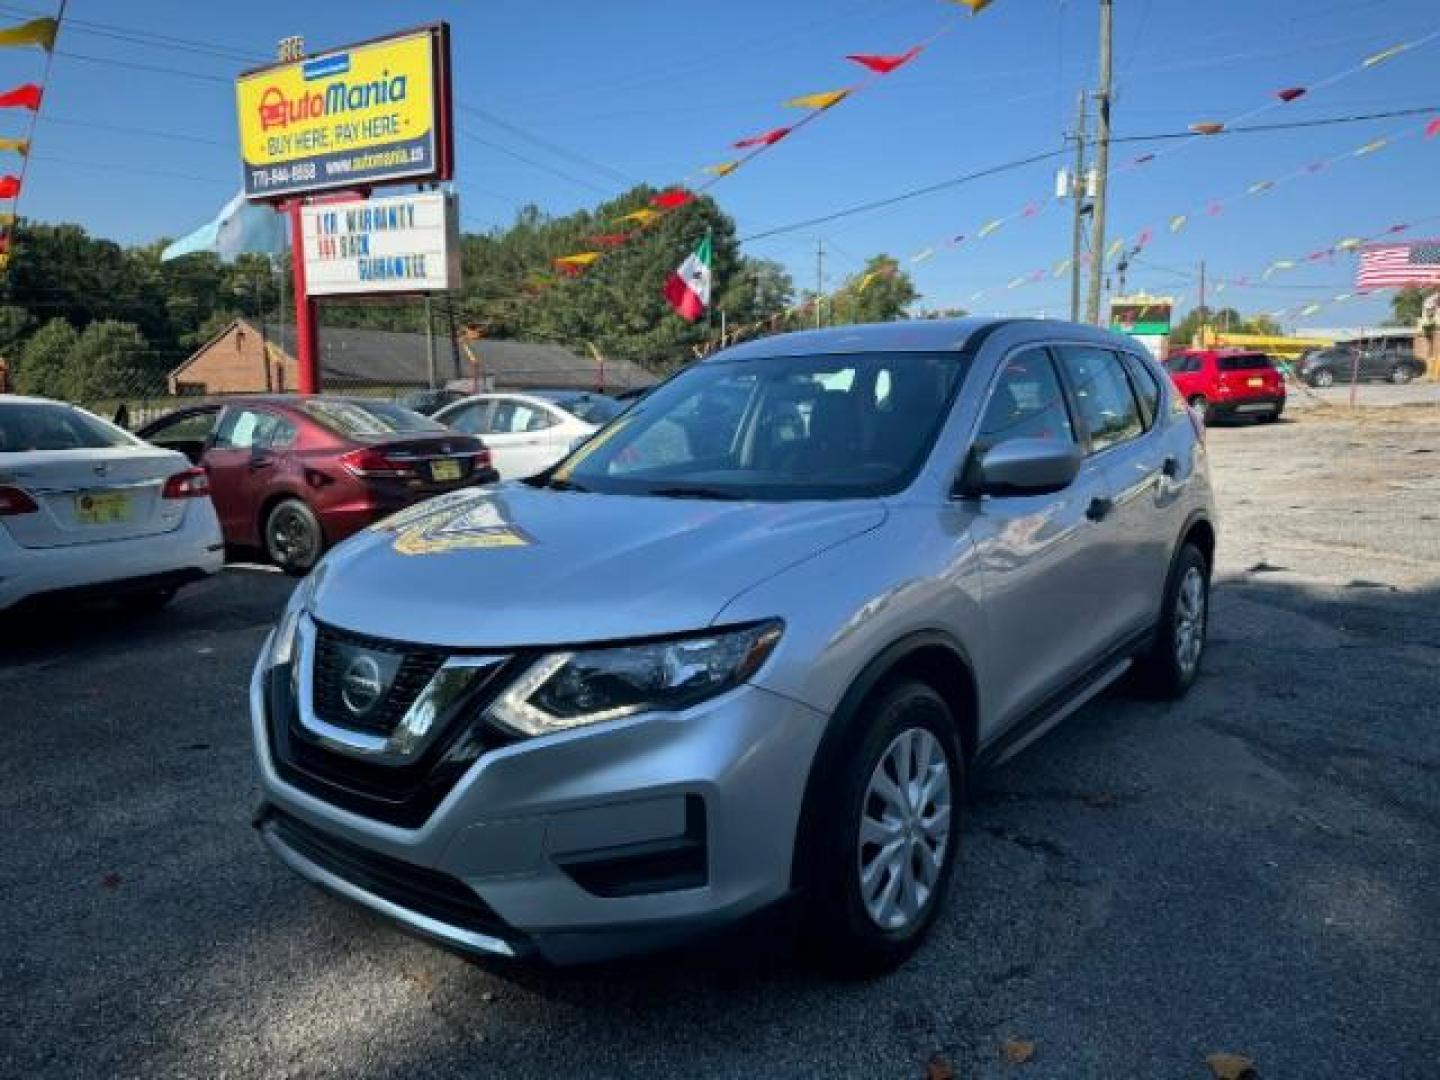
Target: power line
column 150, row 38
column 535, row 164
column 135, row 66
column 545, row 144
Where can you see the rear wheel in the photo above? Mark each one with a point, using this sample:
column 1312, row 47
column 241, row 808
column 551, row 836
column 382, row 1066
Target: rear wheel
column 1169, row 668
column 1401, row 374
column 293, row 538
column 1323, row 377
column 885, row 853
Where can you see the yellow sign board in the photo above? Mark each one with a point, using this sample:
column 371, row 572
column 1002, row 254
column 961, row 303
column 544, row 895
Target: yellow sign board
column 369, row 114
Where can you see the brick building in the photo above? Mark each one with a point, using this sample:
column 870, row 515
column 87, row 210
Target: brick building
column 244, row 358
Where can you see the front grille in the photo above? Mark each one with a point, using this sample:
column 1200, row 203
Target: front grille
column 417, row 666
column 415, row 888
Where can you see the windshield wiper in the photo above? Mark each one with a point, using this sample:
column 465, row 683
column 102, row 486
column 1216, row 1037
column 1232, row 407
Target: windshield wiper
column 694, row 493
column 557, row 484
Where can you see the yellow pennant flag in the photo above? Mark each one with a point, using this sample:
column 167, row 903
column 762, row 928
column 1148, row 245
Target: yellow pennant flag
column 1115, row 249
column 1350, row 243
column 988, row 228
column 1340, row 298
column 1016, row 282
column 35, row 32
column 643, row 216
column 580, row 258
column 1219, row 287
column 1309, row 309
column 725, row 168
column 975, row 6
column 819, row 101
column 20, row 146
column 1383, row 55
column 1263, row 185
column 1371, row 147
column 1178, row 222
column 1275, row 267
column 921, row 256
column 976, row 295
column 1062, row 266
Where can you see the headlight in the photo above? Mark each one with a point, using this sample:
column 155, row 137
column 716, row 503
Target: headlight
column 282, row 646
column 570, row 689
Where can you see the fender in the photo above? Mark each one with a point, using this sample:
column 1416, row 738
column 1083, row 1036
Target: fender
column 842, row 722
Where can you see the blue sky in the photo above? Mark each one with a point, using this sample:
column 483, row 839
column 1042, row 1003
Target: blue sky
column 653, row 91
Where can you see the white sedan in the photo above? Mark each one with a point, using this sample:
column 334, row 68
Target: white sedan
column 527, row 433
column 89, row 510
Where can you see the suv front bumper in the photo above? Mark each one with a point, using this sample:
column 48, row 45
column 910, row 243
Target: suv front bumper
column 606, row 840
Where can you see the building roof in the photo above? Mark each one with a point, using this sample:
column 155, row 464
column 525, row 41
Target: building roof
column 354, row 357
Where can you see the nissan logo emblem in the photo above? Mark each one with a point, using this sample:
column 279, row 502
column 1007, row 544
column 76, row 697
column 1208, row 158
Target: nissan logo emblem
column 360, row 685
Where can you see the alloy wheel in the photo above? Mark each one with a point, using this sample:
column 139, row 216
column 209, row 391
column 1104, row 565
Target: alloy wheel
column 1190, row 621
column 904, row 829
column 292, row 541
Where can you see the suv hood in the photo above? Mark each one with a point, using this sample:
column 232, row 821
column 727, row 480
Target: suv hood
column 516, row 565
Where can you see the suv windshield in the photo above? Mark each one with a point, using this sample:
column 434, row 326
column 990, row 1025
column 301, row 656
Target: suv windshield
column 1249, row 362
column 779, row 428
column 368, row 417
column 36, row 425
column 591, row 408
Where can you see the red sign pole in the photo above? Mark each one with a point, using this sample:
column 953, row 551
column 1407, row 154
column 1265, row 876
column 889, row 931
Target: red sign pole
column 307, row 340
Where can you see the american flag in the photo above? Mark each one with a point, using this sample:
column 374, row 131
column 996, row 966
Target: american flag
column 1385, row 266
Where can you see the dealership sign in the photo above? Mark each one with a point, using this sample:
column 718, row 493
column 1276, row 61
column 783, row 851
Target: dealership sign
column 399, row 244
column 373, row 113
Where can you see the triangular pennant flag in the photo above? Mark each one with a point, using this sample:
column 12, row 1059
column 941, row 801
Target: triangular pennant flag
column 1178, row 222
column 921, row 256
column 1015, row 283
column 977, row 295
column 1031, row 209
column 1340, row 298
column 1037, row 275
column 1261, row 186
column 1309, row 309
column 1215, row 209
column 1219, row 287
column 1146, row 235
column 579, row 259
column 1397, row 229
column 1432, row 128
column 9, row 187
column 1372, row 146
column 883, row 65
column 22, row 97
column 975, row 6
column 607, row 240
column 1350, row 243
column 673, row 199
column 958, row 238
column 1115, row 248
column 1143, row 159
column 1290, row 93
column 819, row 101
column 1208, row 127
column 643, row 216
column 20, row 146
column 724, row 168
column 988, row 228
column 1383, row 55
column 769, row 138
column 1062, row 267
column 35, row 32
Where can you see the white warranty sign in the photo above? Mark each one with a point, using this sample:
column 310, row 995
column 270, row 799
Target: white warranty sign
column 398, row 244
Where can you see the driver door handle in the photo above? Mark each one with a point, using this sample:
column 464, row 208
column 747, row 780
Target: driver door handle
column 1099, row 508
column 256, row 464
column 1171, row 467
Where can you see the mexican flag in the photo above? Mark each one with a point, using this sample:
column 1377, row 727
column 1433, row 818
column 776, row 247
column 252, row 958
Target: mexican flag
column 688, row 288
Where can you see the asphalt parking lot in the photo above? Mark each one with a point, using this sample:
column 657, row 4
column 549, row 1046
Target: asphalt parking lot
column 1254, row 870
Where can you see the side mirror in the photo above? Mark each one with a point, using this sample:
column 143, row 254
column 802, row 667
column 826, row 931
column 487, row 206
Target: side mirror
column 1023, row 467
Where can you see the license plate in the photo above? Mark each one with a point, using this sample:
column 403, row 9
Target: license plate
column 1255, row 382
column 102, row 507
column 445, row 470
column 1254, row 408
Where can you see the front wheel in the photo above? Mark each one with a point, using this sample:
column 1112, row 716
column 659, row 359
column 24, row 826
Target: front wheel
column 1400, row 374
column 1169, row 668
column 886, row 851
column 293, row 538
column 1323, row 378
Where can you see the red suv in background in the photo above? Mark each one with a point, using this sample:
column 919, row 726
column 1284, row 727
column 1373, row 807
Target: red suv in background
column 1228, row 383
column 293, row 475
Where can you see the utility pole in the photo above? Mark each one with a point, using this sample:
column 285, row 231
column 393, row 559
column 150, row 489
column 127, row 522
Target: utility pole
column 1102, row 165
column 819, row 278
column 1078, row 188
column 1204, row 315
column 429, row 342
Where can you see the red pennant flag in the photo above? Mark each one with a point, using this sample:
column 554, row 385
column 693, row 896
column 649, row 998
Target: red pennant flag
column 9, row 187
column 1146, row 235
column 1317, row 166
column 1290, row 93
column 1316, row 256
column 1433, row 128
column 1215, row 209
column 1397, row 229
column 1208, row 127
column 769, row 138
column 1030, row 210
column 883, row 65
column 958, row 238
column 22, row 97
column 673, row 199
column 608, row 240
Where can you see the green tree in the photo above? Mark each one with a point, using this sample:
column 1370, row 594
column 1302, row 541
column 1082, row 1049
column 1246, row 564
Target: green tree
column 45, row 361
column 109, row 362
column 14, row 322
column 1407, row 306
column 879, row 293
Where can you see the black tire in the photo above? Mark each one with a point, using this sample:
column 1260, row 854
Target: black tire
column 1160, row 670
column 294, row 540
column 839, row 933
column 1323, row 378
column 148, row 601
column 1268, row 418
column 1401, row 374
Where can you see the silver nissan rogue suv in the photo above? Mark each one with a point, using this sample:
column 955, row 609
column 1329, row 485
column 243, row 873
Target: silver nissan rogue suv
column 745, row 644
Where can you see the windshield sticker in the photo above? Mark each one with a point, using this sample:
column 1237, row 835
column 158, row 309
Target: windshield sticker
column 463, row 528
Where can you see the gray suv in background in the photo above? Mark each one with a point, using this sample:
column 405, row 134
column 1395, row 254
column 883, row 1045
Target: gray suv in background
column 745, row 645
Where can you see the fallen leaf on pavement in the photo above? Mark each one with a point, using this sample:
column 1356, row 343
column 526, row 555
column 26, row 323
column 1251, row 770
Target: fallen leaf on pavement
column 939, row 1069
column 1017, row 1051
column 1231, row 1067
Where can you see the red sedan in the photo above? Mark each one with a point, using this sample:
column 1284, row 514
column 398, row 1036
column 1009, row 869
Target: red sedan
column 293, row 475
column 1228, row 383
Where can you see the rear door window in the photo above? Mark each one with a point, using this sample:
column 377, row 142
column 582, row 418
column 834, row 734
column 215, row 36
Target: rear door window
column 245, row 429
column 1104, row 399
column 1147, row 389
